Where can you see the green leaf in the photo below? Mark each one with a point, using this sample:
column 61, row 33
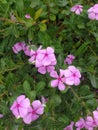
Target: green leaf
column 43, row 27
column 63, row 118
column 30, row 34
column 30, row 23
column 56, row 100
column 66, row 90
column 3, row 1
column 20, row 6
column 60, row 60
column 40, row 86
column 32, row 95
column 63, row 3
column 91, row 102
column 93, row 80
column 15, row 31
column 37, row 14
column 26, row 86
column 35, row 3
column 89, row 96
column 52, row 17
column 81, row 26
column 84, row 90
column 82, row 48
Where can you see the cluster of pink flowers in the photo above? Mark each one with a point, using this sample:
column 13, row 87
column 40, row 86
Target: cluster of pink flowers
column 92, row 11
column 89, row 123
column 45, row 61
column 69, row 76
column 69, row 59
column 21, row 108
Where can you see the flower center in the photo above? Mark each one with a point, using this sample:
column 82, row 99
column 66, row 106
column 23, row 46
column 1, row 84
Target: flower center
column 78, row 7
column 35, row 53
column 74, row 75
column 59, row 79
column 33, row 112
column 46, row 54
column 18, row 105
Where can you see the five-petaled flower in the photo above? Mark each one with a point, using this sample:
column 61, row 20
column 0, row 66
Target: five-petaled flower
column 77, row 9
column 72, row 75
column 34, row 112
column 69, row 59
column 33, row 54
column 46, row 57
column 59, row 80
column 20, row 106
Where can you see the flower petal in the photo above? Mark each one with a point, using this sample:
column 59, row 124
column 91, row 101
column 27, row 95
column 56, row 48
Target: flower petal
column 67, row 73
column 40, row 110
column 46, row 61
column 54, row 83
column 28, row 118
column 15, row 112
column 50, row 50
column 20, row 98
column 36, row 104
column 61, row 86
column 50, row 69
column 42, row 70
column 54, row 74
column 23, row 112
column 69, row 81
column 13, row 105
column 76, row 81
column 25, row 103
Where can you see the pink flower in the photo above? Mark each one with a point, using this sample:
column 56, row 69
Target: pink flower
column 20, row 107
column 69, row 59
column 1, row 115
column 18, row 47
column 44, row 69
column 46, row 57
column 95, row 116
column 89, row 123
column 27, row 50
column 93, row 12
column 59, row 81
column 72, row 75
column 34, row 112
column 27, row 16
column 77, row 9
column 69, row 127
column 33, row 54
column 80, row 124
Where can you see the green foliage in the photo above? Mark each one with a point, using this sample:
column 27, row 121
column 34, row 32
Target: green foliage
column 51, row 24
